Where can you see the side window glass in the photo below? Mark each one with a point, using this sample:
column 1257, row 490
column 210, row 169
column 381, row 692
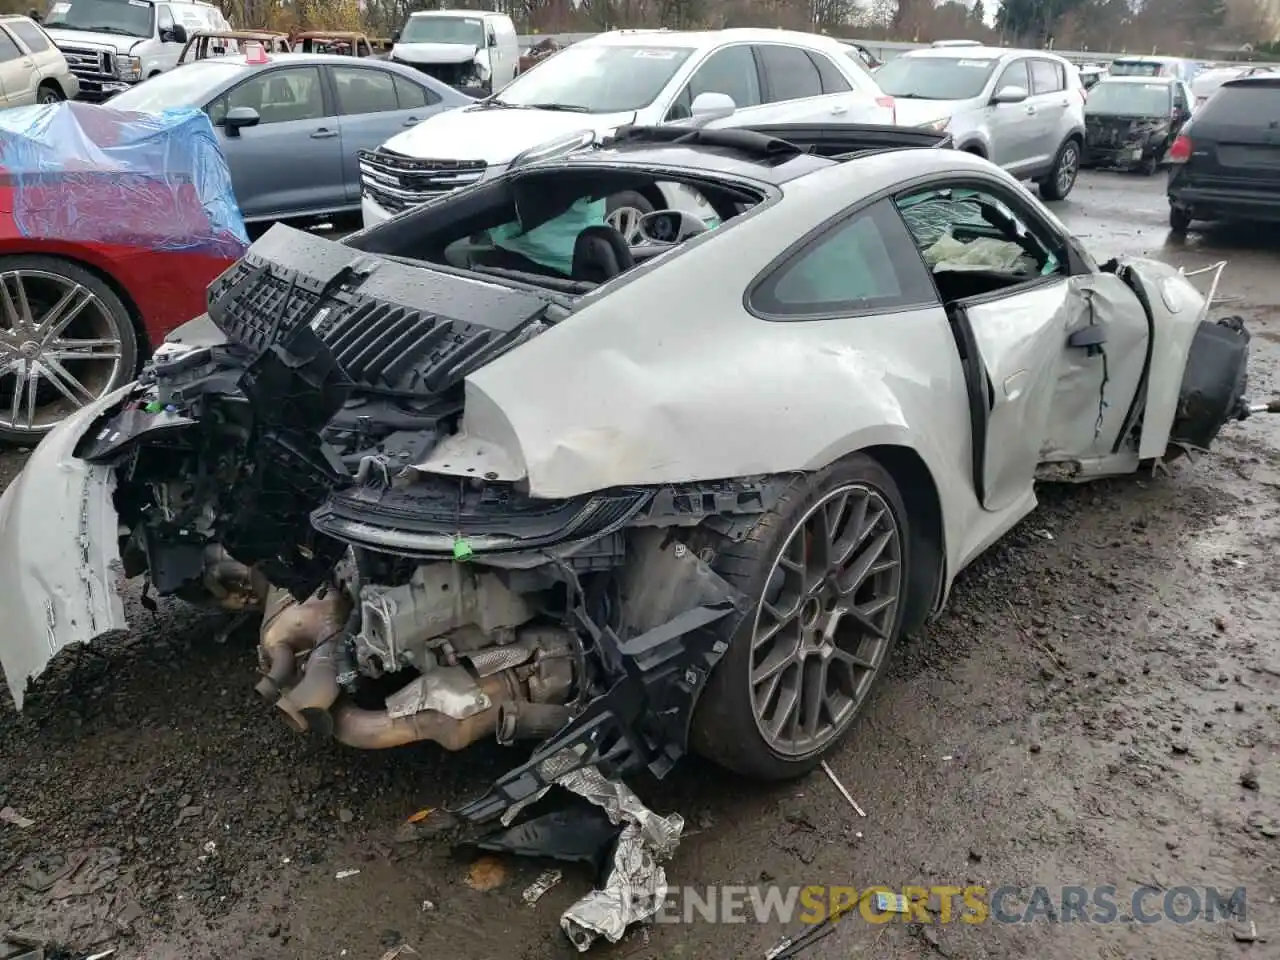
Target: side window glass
column 790, row 72
column 31, row 35
column 863, row 264
column 364, row 91
column 1044, row 77
column 8, row 49
column 1015, row 75
column 731, row 71
column 832, row 79
column 411, row 96
column 164, row 18
column 960, row 230
column 278, row 96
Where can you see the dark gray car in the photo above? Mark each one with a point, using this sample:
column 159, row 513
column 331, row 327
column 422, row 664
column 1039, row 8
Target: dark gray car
column 291, row 127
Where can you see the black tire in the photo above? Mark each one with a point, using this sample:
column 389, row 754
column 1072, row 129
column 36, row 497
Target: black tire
column 724, row 727
column 628, row 200
column 1150, row 166
column 113, row 320
column 1179, row 220
column 48, row 93
column 1062, row 175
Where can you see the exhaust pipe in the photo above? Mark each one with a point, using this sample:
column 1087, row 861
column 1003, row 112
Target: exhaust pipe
column 290, row 628
column 378, row 730
column 523, row 720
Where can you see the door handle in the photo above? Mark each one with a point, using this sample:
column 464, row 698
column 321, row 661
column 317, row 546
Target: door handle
column 412, row 120
column 27, row 62
column 323, row 134
column 839, row 109
column 1030, row 109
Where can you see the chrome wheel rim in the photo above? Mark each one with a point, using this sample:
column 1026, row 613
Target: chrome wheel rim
column 1067, row 169
column 825, row 620
column 60, row 349
column 626, row 220
column 49, row 97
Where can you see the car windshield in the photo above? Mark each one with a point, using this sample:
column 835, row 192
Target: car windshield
column 1130, row 99
column 1137, row 68
column 464, row 30
column 935, row 78
column 190, row 85
column 131, row 18
column 597, row 78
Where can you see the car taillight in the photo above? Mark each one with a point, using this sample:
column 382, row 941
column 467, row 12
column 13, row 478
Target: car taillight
column 1180, row 152
column 893, row 107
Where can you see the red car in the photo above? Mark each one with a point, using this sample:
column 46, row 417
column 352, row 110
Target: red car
column 112, row 225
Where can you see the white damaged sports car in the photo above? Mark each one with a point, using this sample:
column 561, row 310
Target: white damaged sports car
column 487, row 470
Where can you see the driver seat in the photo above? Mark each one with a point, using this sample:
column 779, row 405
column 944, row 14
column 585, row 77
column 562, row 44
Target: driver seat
column 599, row 254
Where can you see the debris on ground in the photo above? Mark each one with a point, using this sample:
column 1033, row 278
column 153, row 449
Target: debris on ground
column 831, row 775
column 404, row 950
column 14, row 818
column 15, row 945
column 486, row 874
column 637, row 884
column 535, row 891
column 420, row 815
column 343, row 874
column 574, row 835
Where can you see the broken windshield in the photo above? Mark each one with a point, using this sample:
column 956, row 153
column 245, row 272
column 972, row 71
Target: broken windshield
column 131, row 18
column 1130, row 100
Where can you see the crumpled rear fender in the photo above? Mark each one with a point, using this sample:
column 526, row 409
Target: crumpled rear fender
column 59, row 555
column 1177, row 309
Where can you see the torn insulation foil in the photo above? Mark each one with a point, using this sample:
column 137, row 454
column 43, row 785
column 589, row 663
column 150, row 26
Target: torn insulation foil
column 636, row 883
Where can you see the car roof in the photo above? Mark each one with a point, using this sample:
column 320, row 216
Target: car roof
column 976, row 53
column 239, row 60
column 1135, row 81
column 709, row 39
column 456, row 12
column 1147, row 58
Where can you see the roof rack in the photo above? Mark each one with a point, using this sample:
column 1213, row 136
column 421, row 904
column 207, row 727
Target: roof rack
column 740, row 140
column 780, row 141
column 1255, row 80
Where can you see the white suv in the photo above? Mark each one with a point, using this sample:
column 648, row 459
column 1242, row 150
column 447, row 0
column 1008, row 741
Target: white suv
column 727, row 77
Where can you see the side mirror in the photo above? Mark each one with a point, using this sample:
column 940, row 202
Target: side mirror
column 239, row 117
column 1010, row 94
column 671, row 226
column 176, row 34
column 395, row 36
column 712, row 106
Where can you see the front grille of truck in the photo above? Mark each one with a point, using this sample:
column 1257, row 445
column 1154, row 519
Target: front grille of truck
column 396, row 182
column 89, row 64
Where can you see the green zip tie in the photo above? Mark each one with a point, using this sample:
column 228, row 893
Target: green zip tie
column 462, row 550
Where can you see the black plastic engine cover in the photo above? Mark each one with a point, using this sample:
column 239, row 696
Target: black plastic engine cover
column 1214, row 382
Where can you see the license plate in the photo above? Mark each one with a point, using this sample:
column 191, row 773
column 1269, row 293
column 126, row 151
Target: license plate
column 1136, row 153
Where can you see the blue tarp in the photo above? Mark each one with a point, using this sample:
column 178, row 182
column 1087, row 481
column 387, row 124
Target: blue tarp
column 90, row 174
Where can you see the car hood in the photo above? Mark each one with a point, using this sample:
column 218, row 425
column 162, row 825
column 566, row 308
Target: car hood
column 495, row 134
column 86, row 38
column 915, row 113
column 435, row 52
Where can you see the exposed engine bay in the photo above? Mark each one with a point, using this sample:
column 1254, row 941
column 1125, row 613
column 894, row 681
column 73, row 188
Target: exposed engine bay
column 402, row 604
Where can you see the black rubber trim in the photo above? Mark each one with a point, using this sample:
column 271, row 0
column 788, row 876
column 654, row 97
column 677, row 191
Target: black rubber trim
column 1138, row 403
column 976, row 390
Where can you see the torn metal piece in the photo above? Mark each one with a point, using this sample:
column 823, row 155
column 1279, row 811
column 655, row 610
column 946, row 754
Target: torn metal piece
column 536, row 890
column 14, row 818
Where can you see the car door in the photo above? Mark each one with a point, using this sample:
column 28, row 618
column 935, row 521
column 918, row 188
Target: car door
column 1003, row 275
column 18, row 73
column 1012, row 125
column 290, row 163
column 49, row 63
column 373, row 106
column 730, row 70
column 1050, row 97
column 794, row 89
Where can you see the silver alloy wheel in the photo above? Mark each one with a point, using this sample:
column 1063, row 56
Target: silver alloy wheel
column 626, row 220
column 1068, row 167
column 49, row 96
column 825, row 619
column 59, row 349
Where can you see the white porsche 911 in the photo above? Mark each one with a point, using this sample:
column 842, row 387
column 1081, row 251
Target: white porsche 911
column 490, row 471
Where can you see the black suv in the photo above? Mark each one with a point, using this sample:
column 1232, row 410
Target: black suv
column 1226, row 161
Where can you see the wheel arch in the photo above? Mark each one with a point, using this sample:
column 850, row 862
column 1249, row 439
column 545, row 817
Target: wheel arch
column 927, row 575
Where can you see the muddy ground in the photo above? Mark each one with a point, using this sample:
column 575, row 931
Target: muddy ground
column 1097, row 706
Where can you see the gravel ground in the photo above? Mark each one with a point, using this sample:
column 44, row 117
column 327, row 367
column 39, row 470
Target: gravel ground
column 1097, row 706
